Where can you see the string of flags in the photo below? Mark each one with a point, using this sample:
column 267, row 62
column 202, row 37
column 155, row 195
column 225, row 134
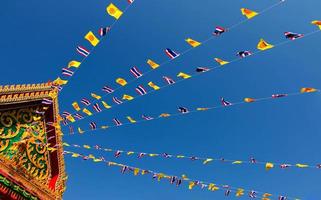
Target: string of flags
column 172, row 54
column 168, row 81
column 181, row 180
column 84, row 51
column 208, row 160
column 182, row 111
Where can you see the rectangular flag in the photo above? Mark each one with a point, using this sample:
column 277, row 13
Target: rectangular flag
column 78, row 116
column 113, row 11
column 67, row 72
column 153, row 85
column 131, row 120
column 107, row 89
column 121, row 81
column 92, row 39
column 192, row 42
column 93, row 125
column 170, row 53
column 85, row 101
column 83, row 51
column 93, row 95
column 97, row 107
column 152, row 64
column 168, row 80
column 103, row 31
column 140, row 90
column 117, row 101
column 136, row 73
column 87, row 112
column 106, row 105
column 145, row 117
column 117, row 122
column 76, row 106
column 183, row 75
column 127, row 97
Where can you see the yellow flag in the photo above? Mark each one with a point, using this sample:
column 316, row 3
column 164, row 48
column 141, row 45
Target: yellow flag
column 201, row 109
column 249, row 100
column 131, row 120
column 152, row 85
column 269, row 166
column 92, row 38
column 113, row 11
column 153, row 154
column 93, row 95
column 263, row 45
column 220, row 61
column 86, row 111
column 302, row 165
column 70, row 118
column 308, row 90
column 207, row 161
column 104, row 127
column 152, row 64
column 74, row 64
column 106, row 105
column 86, row 146
column 191, row 185
column 80, row 131
column 136, row 171
column 75, row 155
column 267, row 195
column 121, row 81
column 237, row 162
column 180, row 156
column 60, row 81
column 66, row 144
column 183, row 75
column 317, row 23
column 160, row 176
column 239, row 192
column 164, row 115
column 76, row 106
column 248, row 13
column 127, row 97
column 184, row 177
column 212, row 187
column 192, row 42
column 130, row 153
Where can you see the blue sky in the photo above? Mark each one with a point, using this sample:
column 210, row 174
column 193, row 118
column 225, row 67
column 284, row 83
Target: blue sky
column 39, row 38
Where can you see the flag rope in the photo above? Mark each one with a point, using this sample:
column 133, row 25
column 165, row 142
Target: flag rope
column 202, row 109
column 188, row 50
column 210, row 69
column 178, row 180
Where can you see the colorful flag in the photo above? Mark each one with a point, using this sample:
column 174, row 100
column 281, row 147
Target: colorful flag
column 147, row 117
column 183, row 110
column 274, row 96
column 170, row 53
column 219, row 30
column 76, row 106
column 140, row 90
column 127, row 97
column 107, row 89
column 97, row 107
column 83, row 51
column 317, row 23
column 263, row 45
column 292, row 36
column 130, row 1
column 60, row 81
column 282, row 198
column 136, row 73
column 248, row 13
column 103, row 31
column 192, row 42
column 93, row 125
column 105, row 105
column 153, row 85
column 65, row 114
column 308, row 90
column 67, row 72
column 85, row 101
column 252, row 194
column 117, row 122
column 244, row 54
column 249, row 100
column 225, row 103
column 78, row 116
column 183, row 75
column 74, row 64
column 113, row 11
column 168, row 80
column 46, row 101
column 202, row 69
column 152, row 64
column 117, row 101
column 220, row 61
column 87, row 112
column 90, row 36
column 121, row 81
column 131, row 120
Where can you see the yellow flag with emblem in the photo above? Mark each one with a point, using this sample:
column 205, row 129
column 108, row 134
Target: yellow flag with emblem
column 248, row 13
column 92, row 39
column 113, row 11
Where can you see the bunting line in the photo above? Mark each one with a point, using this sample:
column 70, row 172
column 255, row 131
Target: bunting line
column 205, row 160
column 185, row 111
column 184, row 76
column 83, row 51
column 177, row 180
column 184, row 52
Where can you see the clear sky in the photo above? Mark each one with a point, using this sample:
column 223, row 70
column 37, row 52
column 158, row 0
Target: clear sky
column 39, row 38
